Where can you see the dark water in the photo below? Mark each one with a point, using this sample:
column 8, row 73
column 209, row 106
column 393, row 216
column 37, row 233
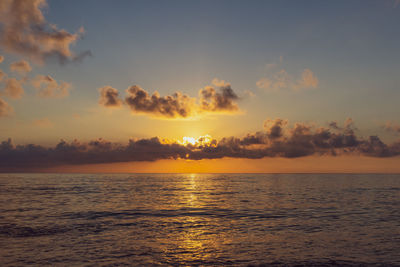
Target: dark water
column 199, row 219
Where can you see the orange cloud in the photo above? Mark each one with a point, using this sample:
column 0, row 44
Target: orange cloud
column 282, row 80
column 48, row 87
column 307, row 80
column 5, row 108
column 14, row 88
column 392, row 127
column 22, row 67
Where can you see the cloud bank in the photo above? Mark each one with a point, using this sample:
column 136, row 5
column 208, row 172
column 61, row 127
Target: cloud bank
column 276, row 140
column 178, row 105
column 25, row 31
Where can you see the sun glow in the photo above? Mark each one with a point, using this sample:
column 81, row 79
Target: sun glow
column 189, row 140
column 205, row 140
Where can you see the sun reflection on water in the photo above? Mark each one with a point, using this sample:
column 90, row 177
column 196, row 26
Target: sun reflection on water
column 195, row 241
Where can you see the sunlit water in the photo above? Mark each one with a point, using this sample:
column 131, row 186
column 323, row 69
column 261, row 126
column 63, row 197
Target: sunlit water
column 199, row 219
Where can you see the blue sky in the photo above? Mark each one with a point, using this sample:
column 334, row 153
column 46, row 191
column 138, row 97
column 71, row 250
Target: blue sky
column 168, row 46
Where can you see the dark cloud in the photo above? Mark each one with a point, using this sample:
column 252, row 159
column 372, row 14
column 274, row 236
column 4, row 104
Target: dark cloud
column 109, row 97
column 177, row 105
column 275, row 128
column 289, row 142
column 25, row 31
column 30, row 157
column 224, row 100
column 211, row 100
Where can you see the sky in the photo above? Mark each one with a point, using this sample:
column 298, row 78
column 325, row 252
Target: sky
column 200, row 86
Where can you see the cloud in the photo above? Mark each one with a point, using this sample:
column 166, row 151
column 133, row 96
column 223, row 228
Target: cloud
column 25, row 157
column 109, row 97
column 278, row 139
column 25, row 31
column 274, row 128
column 307, row 80
column 214, row 101
column 279, row 80
column 177, row 105
column 47, row 87
column 392, row 127
column 1, row 58
column 22, row 67
column 282, row 80
column 13, row 88
column 220, row 83
column 5, row 108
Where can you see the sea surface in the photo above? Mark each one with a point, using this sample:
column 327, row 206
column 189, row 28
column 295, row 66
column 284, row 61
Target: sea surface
column 199, row 219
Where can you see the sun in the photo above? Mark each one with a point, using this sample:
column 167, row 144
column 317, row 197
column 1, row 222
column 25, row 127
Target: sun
column 204, row 140
column 189, row 140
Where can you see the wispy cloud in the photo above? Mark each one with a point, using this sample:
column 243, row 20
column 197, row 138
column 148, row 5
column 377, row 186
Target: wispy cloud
column 48, row 87
column 278, row 78
column 22, row 67
column 45, row 85
column 282, row 80
column 13, row 88
column 392, row 127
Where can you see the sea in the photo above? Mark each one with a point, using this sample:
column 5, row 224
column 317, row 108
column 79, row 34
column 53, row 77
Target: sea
column 199, row 219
